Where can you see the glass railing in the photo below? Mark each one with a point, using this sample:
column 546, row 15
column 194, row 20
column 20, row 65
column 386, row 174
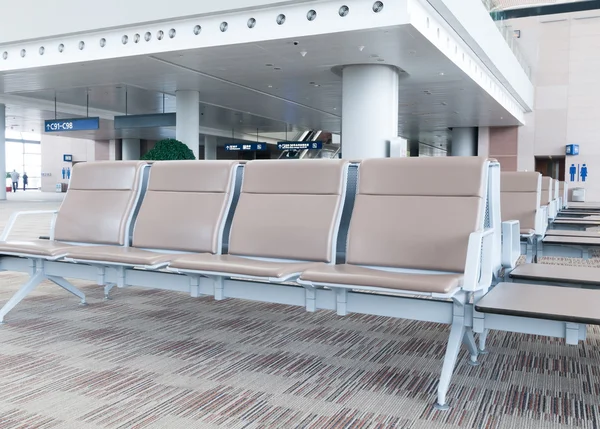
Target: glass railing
column 508, row 33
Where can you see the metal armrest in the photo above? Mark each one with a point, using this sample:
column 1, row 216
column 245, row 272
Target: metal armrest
column 13, row 218
column 480, row 261
column 511, row 243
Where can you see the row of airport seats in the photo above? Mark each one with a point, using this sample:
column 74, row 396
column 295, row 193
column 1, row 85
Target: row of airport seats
column 369, row 237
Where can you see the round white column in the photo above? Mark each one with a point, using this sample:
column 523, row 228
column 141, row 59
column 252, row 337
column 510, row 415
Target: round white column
column 3, row 150
column 464, row 141
column 188, row 119
column 369, row 110
column 130, row 149
column 210, row 147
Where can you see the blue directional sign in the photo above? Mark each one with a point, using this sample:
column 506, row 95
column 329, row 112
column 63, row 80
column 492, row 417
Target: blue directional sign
column 77, row 124
column 299, row 145
column 67, row 158
column 572, row 149
column 249, row 147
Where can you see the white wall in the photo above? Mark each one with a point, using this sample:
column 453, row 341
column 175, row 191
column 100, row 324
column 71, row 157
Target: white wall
column 53, row 149
column 563, row 51
column 33, row 19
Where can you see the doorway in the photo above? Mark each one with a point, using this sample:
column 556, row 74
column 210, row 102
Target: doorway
column 552, row 166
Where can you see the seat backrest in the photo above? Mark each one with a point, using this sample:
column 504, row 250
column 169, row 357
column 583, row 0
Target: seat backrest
column 185, row 206
column 417, row 213
column 547, row 194
column 100, row 202
column 520, row 197
column 289, row 209
column 555, row 189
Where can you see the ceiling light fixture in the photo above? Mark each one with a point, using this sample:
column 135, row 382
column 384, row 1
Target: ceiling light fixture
column 125, row 39
column 224, row 26
column 102, row 42
column 42, row 50
column 81, row 45
column 303, row 53
column 136, row 38
column 361, row 48
column 197, row 29
column 147, row 36
column 251, row 23
column 172, row 33
column 344, row 11
column 160, row 34
column 280, row 19
column 311, row 15
column 61, row 47
column 377, row 6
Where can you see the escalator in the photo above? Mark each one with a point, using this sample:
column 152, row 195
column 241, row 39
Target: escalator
column 327, row 151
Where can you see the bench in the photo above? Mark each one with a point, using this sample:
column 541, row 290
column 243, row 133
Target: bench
column 287, row 232
column 547, row 198
column 520, row 201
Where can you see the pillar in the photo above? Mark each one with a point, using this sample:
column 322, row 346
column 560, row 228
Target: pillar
column 464, row 141
column 369, row 110
column 130, row 149
column 188, row 119
column 3, row 150
column 210, row 147
column 413, row 148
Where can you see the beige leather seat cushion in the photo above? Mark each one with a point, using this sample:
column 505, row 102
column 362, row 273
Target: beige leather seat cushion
column 236, row 265
column 557, row 273
column 44, row 248
column 359, row 276
column 120, row 255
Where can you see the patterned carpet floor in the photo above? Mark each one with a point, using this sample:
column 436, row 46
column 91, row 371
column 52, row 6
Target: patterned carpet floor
column 153, row 359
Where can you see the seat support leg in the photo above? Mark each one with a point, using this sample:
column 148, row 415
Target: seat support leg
column 219, row 288
column 482, row 340
column 23, row 291
column 194, row 287
column 311, row 299
column 457, row 333
column 469, row 341
column 107, row 288
column 342, row 301
column 59, row 281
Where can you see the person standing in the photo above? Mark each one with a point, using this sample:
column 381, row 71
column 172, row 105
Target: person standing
column 14, row 176
column 25, row 180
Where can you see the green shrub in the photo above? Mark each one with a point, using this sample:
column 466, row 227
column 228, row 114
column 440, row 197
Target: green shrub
column 169, row 150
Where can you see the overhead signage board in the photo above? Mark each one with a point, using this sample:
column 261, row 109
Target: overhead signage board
column 67, row 158
column 572, row 149
column 248, row 147
column 76, row 124
column 299, row 145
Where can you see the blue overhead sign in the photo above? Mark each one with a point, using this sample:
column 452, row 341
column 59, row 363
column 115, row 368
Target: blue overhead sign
column 67, row 158
column 77, row 124
column 299, row 145
column 572, row 149
column 250, row 147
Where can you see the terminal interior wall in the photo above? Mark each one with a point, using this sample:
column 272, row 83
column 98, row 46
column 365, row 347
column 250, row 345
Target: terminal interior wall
column 563, row 51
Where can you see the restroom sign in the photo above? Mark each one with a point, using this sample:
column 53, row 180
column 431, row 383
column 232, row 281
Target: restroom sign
column 578, row 172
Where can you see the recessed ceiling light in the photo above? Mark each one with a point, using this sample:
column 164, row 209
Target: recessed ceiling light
column 251, row 23
column 269, row 65
column 441, row 73
column 344, row 11
column 197, row 29
column 381, row 60
column 280, row 19
column 374, row 56
column 276, row 68
column 377, row 6
column 311, row 15
column 102, row 42
column 61, row 47
column 270, row 86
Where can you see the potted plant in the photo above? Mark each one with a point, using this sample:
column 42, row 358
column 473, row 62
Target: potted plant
column 169, row 150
